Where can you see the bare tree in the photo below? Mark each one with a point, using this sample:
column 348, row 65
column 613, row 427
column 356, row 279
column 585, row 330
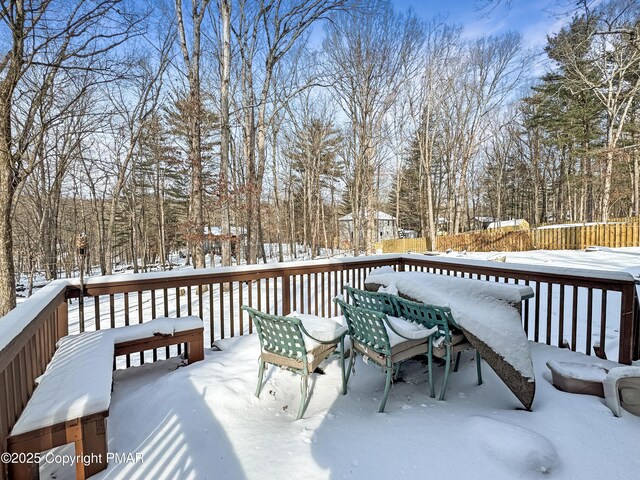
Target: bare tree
column 50, row 37
column 279, row 24
column 191, row 54
column 369, row 55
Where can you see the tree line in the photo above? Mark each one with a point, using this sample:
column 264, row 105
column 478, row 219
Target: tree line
column 143, row 125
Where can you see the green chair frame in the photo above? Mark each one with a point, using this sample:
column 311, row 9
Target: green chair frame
column 379, row 301
column 441, row 317
column 283, row 337
column 367, row 328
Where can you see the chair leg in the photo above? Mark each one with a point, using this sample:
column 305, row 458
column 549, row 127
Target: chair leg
column 432, row 391
column 352, row 356
column 447, row 366
column 396, row 373
column 479, row 367
column 387, row 387
column 260, row 377
column 344, row 379
column 455, row 367
column 303, row 396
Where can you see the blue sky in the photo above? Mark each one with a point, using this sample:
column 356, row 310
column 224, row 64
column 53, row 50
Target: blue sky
column 533, row 18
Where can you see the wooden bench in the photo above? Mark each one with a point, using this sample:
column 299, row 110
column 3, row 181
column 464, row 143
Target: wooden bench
column 72, row 399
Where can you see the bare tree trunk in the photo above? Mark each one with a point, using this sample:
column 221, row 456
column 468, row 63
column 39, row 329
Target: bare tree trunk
column 225, row 134
column 192, row 62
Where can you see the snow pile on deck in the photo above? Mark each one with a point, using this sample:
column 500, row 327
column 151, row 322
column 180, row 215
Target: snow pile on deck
column 486, row 309
column 204, row 422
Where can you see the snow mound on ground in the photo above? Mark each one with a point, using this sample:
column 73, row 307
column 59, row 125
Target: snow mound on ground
column 519, row 449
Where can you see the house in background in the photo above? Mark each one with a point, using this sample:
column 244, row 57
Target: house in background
column 213, row 240
column 384, row 230
column 407, row 233
column 508, row 225
column 481, row 223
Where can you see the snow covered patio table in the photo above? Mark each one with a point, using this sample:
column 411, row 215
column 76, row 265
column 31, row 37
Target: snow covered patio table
column 488, row 313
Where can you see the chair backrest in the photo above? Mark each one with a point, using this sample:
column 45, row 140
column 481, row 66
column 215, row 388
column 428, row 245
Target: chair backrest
column 279, row 335
column 366, row 327
column 379, row 301
column 428, row 315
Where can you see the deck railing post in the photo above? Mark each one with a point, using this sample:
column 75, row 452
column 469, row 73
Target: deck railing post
column 400, row 264
column 627, row 338
column 286, row 292
column 63, row 319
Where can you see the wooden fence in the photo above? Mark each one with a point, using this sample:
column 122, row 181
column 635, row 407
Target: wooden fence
column 498, row 241
column 578, row 237
column 405, row 245
column 570, row 237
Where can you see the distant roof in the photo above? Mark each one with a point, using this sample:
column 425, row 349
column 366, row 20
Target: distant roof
column 485, row 219
column 380, row 216
column 507, row 223
column 218, row 231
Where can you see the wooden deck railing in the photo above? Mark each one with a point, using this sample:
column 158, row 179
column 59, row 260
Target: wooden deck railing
column 39, row 324
column 568, row 304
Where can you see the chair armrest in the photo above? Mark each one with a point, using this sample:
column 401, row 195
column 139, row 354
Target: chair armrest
column 423, row 335
column 325, row 342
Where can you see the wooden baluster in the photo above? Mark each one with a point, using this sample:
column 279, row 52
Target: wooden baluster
column 140, row 321
column 240, row 311
column 589, row 319
column 112, row 311
column 266, row 294
column 603, row 323
column 308, row 275
column 152, row 298
column 126, row 322
column 96, row 308
column 536, row 318
column 221, row 290
column 250, row 288
column 574, row 319
column 165, row 305
column 275, row 296
column 315, row 292
column 322, row 289
column 295, row 293
column 561, row 318
column 211, row 332
column 549, row 311
column 232, row 320
column 178, row 309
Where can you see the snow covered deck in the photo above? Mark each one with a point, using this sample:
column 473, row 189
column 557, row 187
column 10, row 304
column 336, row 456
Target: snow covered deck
column 204, row 422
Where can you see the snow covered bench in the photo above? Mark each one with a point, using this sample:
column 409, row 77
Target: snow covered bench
column 71, row 401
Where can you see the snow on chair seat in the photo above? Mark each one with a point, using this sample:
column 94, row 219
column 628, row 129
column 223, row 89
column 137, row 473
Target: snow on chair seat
column 73, row 395
column 622, row 390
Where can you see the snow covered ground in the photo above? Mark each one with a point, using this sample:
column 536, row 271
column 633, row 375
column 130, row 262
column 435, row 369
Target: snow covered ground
column 204, row 422
column 610, row 259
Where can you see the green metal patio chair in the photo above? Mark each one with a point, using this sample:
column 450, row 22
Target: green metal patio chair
column 282, row 343
column 448, row 341
column 369, row 331
column 379, row 301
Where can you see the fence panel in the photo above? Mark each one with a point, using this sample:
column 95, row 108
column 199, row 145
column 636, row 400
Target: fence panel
column 406, row 245
column 487, row 241
column 568, row 237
